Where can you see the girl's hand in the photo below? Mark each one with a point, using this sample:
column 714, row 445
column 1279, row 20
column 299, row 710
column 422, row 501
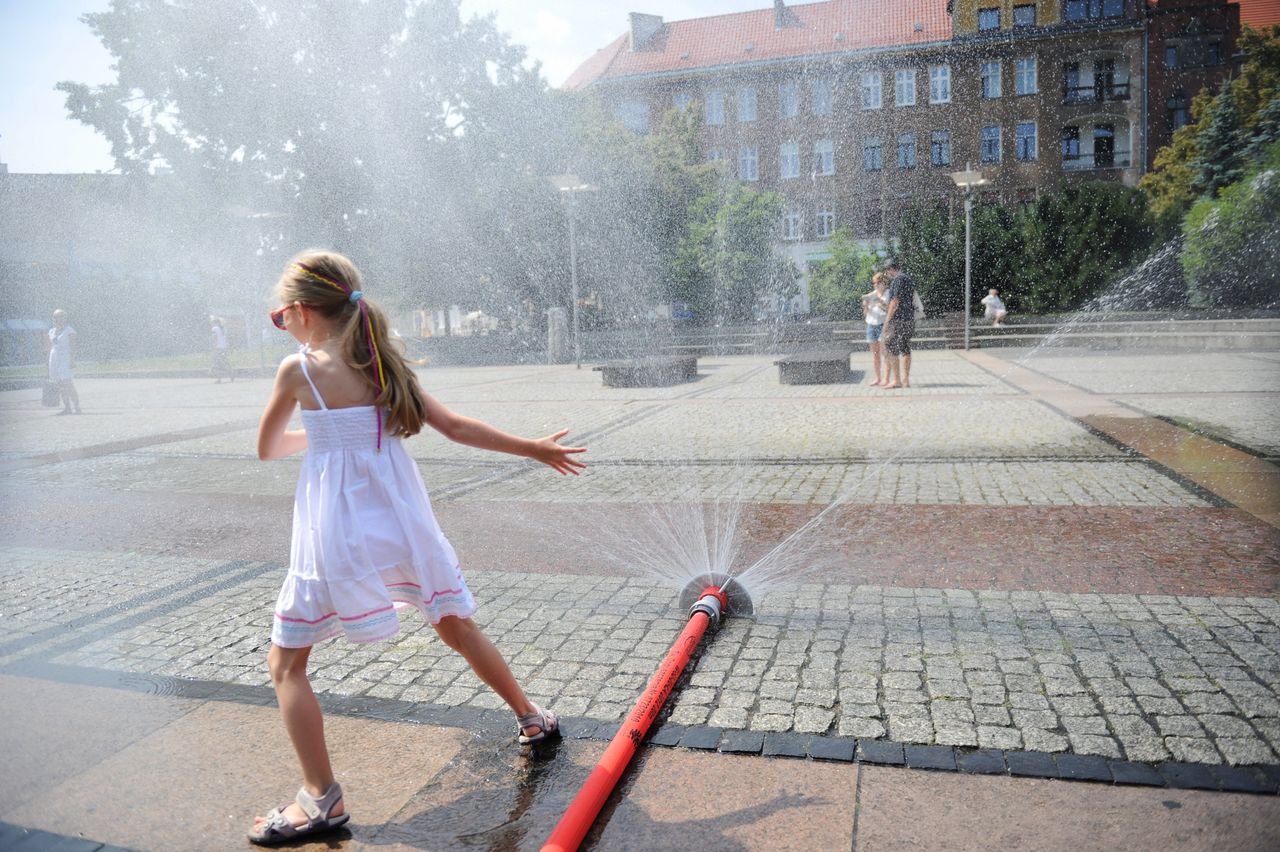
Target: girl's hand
column 547, row 451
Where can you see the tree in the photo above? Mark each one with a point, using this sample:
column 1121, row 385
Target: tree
column 1220, row 145
column 726, row 261
column 930, row 246
column 837, row 284
column 1232, row 252
column 1077, row 241
column 392, row 130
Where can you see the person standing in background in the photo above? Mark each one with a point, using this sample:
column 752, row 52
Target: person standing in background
column 62, row 362
column 221, row 366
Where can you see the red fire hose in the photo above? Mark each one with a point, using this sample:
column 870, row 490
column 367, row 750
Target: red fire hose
column 582, row 812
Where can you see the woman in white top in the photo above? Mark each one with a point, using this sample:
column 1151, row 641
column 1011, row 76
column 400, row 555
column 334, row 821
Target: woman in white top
column 873, row 311
column 62, row 360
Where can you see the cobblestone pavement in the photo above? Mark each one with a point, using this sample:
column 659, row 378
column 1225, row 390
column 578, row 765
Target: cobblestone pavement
column 971, row 631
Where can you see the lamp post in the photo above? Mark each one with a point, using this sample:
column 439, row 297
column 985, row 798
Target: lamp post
column 569, row 185
column 967, row 180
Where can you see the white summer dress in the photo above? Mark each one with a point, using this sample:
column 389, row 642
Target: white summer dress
column 365, row 542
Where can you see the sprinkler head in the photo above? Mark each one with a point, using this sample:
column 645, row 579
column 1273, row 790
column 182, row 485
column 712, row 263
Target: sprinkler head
column 733, row 597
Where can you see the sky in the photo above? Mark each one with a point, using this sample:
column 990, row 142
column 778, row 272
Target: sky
column 44, row 41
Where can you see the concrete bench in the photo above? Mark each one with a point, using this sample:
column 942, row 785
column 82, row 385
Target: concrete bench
column 652, row 372
column 814, row 368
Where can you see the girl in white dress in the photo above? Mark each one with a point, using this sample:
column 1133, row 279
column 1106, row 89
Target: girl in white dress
column 365, row 542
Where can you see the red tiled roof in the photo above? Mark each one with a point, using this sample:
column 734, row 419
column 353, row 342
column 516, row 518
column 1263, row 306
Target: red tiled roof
column 1259, row 13
column 722, row 39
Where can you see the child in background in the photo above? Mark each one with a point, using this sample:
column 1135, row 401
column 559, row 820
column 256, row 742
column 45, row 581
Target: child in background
column 996, row 311
column 365, row 542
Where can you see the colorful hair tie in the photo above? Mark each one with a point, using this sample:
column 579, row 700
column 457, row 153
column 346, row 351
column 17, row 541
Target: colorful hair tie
column 356, row 295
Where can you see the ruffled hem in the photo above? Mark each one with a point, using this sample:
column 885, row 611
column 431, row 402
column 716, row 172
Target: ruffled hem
column 370, row 613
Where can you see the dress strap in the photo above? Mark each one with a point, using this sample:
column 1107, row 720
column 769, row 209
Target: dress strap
column 304, row 352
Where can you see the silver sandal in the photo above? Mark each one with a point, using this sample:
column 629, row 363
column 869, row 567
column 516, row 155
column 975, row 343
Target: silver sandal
column 545, row 720
column 278, row 829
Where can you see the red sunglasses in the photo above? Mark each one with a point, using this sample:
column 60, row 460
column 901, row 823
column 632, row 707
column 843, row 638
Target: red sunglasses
column 277, row 317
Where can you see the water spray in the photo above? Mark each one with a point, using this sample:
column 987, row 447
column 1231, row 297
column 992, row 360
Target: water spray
column 708, row 598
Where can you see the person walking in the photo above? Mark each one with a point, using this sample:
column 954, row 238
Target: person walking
column 218, row 338
column 62, row 362
column 874, row 306
column 899, row 325
column 365, row 541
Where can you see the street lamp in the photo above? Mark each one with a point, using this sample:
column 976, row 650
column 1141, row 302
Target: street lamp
column 967, row 180
column 569, row 185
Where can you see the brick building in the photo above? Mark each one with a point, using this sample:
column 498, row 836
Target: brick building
column 853, row 110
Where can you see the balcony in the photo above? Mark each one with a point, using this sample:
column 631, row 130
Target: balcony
column 1097, row 92
column 1092, row 161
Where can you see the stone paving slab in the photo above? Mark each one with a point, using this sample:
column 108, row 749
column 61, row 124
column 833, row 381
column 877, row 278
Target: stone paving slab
column 1245, row 419
column 1130, row 372
column 1133, row 677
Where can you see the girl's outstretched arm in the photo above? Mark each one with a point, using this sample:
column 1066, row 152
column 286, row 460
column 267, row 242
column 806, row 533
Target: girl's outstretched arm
column 477, row 433
column 274, row 440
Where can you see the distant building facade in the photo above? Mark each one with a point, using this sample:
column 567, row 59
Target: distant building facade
column 854, row 110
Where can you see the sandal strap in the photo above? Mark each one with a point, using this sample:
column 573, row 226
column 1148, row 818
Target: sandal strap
column 318, row 809
column 537, row 717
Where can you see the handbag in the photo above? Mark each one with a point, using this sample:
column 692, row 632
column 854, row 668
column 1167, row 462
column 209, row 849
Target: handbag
column 918, row 305
column 49, row 395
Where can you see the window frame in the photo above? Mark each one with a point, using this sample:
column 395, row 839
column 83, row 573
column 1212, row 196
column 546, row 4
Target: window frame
column 822, row 105
column 823, row 157
column 899, row 75
column 987, row 12
column 788, row 96
column 1019, row 76
column 1018, row 138
column 747, row 96
column 907, row 150
column 940, row 142
column 1023, row 7
column 983, row 77
column 982, row 145
column 792, row 225
column 944, row 77
column 788, row 154
column 870, row 144
column 824, row 222
column 714, row 118
column 868, row 79
column 749, row 154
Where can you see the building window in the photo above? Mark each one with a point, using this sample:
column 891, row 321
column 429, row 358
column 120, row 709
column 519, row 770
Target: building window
column 988, row 19
column 789, row 160
column 1171, row 56
column 791, row 225
column 746, row 104
column 1213, row 53
column 1070, row 144
column 715, row 155
column 749, row 163
column 1179, row 115
column 824, row 157
column 904, row 87
column 824, row 222
column 789, row 100
column 941, row 148
column 1026, row 139
column 871, row 90
column 906, row 150
column 940, row 84
column 990, row 145
column 989, row 75
column 1104, row 145
column 1091, row 10
column 635, row 115
column 1024, row 78
column 681, row 100
column 1024, row 16
column 821, row 97
column 715, row 108
column 871, row 154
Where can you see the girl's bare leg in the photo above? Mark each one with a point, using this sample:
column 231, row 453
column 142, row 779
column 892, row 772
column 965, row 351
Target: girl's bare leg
column 463, row 636
column 875, row 358
column 304, row 722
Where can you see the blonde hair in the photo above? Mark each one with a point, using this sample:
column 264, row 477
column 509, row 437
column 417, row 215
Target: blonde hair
column 330, row 284
column 878, row 278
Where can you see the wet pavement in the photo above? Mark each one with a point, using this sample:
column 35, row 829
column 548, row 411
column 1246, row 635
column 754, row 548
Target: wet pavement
column 1073, row 559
